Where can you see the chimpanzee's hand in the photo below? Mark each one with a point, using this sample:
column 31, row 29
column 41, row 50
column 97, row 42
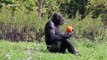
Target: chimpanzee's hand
column 68, row 35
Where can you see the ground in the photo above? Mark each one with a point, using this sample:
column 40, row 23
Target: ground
column 37, row 51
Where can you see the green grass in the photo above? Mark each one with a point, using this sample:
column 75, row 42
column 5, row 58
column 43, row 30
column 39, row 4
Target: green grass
column 37, row 51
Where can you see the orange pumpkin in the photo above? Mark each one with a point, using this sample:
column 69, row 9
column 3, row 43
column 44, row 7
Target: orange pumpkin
column 69, row 29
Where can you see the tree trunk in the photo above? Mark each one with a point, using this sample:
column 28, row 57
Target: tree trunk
column 40, row 8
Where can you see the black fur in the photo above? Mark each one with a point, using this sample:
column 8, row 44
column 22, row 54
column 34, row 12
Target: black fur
column 55, row 40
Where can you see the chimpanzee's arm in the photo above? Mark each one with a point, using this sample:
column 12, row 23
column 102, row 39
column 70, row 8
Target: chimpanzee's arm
column 53, row 34
column 58, row 37
column 68, row 35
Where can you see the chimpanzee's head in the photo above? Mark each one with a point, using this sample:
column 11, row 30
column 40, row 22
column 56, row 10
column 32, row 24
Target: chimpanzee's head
column 58, row 19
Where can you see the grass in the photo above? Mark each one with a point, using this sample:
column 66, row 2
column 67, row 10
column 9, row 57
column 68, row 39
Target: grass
column 37, row 51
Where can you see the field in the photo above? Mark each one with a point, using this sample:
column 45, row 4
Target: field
column 22, row 25
column 37, row 51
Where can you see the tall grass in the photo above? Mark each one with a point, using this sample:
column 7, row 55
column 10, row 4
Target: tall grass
column 21, row 26
column 89, row 28
column 27, row 27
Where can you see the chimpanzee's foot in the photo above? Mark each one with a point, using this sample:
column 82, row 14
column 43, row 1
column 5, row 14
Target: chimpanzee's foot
column 77, row 53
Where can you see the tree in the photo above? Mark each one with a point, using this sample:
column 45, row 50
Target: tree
column 40, row 5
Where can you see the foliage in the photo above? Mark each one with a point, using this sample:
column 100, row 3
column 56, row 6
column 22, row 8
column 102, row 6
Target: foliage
column 21, row 26
column 69, row 7
column 89, row 28
column 19, row 18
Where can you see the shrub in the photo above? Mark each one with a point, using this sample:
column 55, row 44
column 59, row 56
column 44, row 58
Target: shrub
column 89, row 28
column 21, row 26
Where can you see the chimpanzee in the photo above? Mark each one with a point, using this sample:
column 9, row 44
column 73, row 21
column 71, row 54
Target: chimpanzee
column 56, row 41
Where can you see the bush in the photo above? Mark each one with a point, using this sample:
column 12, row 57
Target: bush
column 89, row 28
column 27, row 27
column 21, row 26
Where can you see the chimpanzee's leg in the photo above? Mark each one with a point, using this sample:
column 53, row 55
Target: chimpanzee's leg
column 70, row 47
column 54, row 47
column 65, row 44
column 62, row 47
